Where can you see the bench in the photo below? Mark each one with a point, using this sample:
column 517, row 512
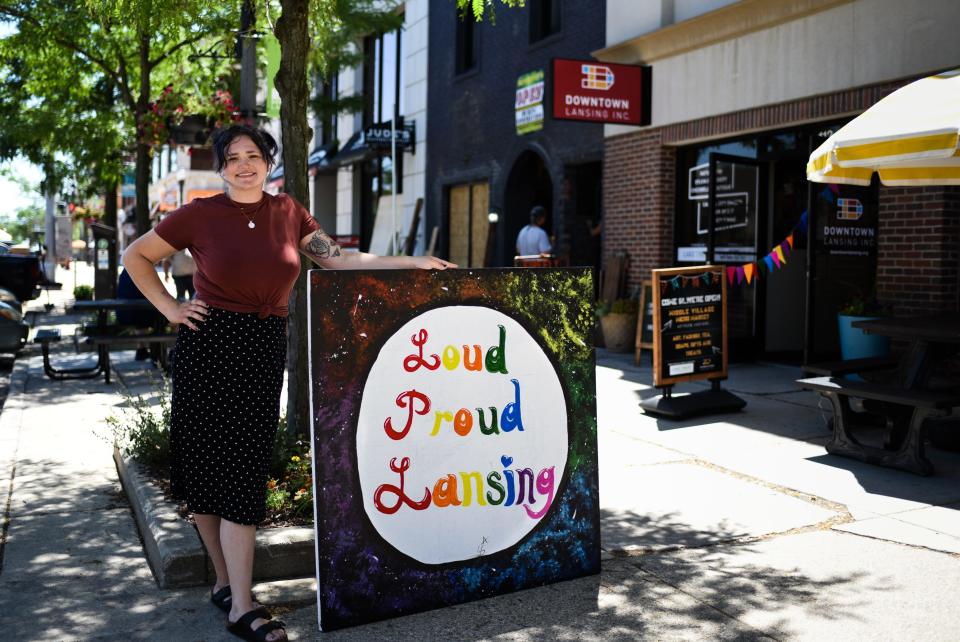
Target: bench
column 902, row 410
column 46, row 336
column 103, row 343
column 159, row 345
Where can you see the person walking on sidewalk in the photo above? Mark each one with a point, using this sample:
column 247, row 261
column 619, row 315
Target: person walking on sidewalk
column 532, row 239
column 183, row 267
column 231, row 349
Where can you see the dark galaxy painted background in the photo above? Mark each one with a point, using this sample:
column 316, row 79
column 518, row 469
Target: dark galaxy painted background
column 353, row 313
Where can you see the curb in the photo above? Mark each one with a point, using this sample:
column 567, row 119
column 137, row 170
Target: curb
column 174, row 549
column 172, row 545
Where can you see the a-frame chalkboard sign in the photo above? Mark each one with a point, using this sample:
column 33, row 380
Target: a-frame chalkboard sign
column 644, row 339
column 690, row 340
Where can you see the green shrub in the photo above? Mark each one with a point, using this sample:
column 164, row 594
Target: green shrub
column 860, row 306
column 83, row 293
column 142, row 430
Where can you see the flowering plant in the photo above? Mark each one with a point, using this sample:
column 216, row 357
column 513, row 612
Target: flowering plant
column 172, row 106
column 154, row 125
column 222, row 109
column 292, row 494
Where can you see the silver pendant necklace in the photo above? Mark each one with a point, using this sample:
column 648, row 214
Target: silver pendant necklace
column 254, row 209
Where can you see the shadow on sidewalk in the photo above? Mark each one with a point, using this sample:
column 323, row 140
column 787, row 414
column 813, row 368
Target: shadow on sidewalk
column 681, row 556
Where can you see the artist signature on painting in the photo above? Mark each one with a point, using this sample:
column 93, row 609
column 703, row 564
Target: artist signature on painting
column 482, row 549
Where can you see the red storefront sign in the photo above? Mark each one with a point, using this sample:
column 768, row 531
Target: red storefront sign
column 601, row 92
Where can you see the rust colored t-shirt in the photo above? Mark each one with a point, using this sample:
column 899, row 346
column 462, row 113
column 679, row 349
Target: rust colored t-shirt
column 238, row 268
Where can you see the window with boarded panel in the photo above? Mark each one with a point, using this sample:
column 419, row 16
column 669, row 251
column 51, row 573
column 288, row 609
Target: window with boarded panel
column 479, row 223
column 469, row 225
column 459, row 228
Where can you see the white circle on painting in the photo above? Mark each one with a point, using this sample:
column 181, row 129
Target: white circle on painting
column 474, row 482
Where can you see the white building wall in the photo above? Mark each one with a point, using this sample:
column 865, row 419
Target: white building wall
column 415, row 97
column 346, row 85
column 854, row 44
column 686, row 9
column 415, row 36
column 631, row 18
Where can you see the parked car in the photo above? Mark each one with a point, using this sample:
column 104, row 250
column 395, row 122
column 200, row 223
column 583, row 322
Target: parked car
column 22, row 274
column 8, row 297
column 13, row 330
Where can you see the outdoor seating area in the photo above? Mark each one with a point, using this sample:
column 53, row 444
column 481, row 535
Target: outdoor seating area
column 106, row 335
column 916, row 389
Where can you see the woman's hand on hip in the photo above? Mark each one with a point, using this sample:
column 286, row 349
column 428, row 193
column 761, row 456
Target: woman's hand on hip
column 189, row 313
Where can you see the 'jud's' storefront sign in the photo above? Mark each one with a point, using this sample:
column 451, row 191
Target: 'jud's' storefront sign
column 601, row 92
column 378, row 135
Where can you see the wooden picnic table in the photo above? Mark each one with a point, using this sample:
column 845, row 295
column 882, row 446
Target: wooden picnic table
column 908, row 405
column 931, row 338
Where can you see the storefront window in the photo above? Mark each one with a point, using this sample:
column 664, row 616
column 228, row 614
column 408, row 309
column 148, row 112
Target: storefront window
column 738, row 200
column 466, row 43
column 761, row 197
column 384, row 77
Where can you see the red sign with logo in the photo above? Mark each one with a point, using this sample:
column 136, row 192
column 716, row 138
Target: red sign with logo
column 601, row 92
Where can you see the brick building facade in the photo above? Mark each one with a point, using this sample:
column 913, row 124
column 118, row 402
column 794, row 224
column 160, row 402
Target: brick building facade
column 918, row 267
column 479, row 164
column 761, row 83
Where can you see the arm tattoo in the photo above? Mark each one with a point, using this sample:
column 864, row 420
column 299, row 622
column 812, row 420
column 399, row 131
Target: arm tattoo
column 322, row 246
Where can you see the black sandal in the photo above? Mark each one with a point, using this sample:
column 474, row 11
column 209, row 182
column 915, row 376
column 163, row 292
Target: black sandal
column 222, row 598
column 242, row 629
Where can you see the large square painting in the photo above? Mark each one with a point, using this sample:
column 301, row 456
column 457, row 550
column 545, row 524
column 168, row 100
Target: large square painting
column 454, row 436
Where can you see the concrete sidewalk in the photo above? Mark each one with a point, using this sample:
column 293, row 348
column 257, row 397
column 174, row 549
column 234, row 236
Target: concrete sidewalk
column 727, row 527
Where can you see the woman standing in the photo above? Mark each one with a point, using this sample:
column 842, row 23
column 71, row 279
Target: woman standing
column 231, row 349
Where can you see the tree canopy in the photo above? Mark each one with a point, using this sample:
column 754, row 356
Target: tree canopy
column 119, row 53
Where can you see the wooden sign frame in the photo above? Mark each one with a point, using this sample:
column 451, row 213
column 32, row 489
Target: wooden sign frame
column 660, row 278
column 646, row 300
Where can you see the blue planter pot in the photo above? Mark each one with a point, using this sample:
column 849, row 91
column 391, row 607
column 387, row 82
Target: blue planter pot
column 857, row 344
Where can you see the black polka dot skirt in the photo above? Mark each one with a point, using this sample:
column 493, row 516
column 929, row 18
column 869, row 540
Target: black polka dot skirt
column 227, row 377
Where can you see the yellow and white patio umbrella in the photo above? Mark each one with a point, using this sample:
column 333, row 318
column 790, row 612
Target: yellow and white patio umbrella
column 910, row 137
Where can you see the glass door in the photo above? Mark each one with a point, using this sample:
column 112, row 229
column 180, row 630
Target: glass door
column 735, row 195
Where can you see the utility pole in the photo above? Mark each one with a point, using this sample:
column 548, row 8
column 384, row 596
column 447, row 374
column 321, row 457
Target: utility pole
column 247, row 52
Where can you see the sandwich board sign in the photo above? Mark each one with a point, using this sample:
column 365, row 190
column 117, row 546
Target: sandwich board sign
column 690, row 340
column 454, row 436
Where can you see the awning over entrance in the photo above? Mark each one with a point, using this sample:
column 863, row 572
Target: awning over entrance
column 321, row 159
column 354, row 150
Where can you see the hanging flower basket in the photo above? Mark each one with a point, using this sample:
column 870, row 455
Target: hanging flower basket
column 183, row 119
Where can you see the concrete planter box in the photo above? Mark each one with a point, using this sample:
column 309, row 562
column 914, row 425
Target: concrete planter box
column 174, row 549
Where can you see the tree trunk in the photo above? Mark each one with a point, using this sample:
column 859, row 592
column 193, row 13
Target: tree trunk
column 291, row 83
column 143, row 150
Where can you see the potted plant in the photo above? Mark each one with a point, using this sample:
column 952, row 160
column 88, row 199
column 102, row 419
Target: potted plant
column 854, row 342
column 83, row 293
column 618, row 323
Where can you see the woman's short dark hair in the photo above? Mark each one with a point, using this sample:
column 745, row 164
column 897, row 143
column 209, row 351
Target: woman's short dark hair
column 261, row 138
